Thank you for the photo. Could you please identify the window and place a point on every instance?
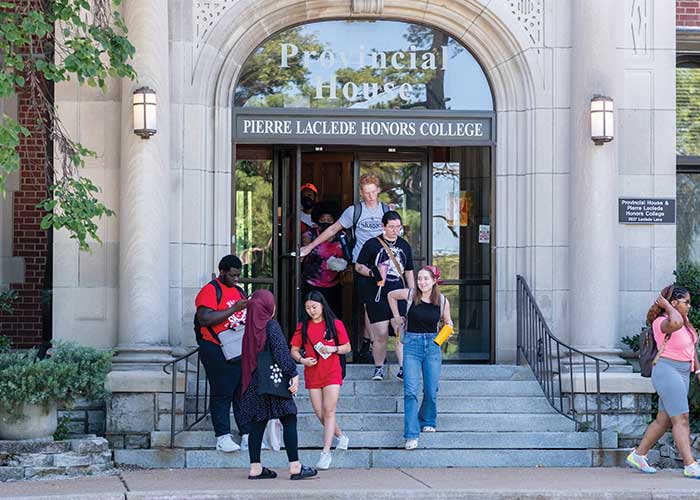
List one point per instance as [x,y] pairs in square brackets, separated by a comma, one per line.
[363,64]
[688,159]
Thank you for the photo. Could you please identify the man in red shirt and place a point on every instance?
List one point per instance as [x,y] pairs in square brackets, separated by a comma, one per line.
[221,305]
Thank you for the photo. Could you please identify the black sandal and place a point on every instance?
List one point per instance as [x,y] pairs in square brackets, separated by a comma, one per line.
[265,474]
[305,472]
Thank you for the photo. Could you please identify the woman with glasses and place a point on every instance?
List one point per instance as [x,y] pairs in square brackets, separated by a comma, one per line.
[676,340]
[385,263]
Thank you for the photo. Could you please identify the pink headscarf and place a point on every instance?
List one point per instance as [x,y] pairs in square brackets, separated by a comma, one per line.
[259,311]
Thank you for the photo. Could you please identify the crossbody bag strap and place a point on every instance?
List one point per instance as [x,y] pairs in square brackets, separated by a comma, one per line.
[390,252]
[661,349]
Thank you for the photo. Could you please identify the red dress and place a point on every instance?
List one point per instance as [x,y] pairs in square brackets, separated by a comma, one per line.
[326,371]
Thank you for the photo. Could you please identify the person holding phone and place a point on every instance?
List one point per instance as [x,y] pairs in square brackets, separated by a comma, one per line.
[318,342]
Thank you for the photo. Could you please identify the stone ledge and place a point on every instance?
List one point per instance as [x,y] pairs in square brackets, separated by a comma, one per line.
[610,383]
[30,459]
[143,381]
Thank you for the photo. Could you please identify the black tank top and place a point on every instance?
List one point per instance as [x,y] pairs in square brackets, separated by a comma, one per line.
[423,318]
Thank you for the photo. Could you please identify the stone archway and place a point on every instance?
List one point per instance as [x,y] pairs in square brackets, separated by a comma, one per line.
[228,32]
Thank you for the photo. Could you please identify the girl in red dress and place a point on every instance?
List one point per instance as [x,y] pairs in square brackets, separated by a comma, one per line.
[318,342]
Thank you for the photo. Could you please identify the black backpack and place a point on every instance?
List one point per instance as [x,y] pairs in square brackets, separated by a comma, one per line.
[356,214]
[219,294]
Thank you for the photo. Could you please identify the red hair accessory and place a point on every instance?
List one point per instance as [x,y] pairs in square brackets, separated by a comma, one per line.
[435,271]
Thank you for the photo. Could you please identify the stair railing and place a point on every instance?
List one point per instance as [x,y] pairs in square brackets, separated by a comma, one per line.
[548,358]
[199,415]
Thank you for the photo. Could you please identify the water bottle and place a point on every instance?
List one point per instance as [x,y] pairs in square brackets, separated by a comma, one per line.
[344,245]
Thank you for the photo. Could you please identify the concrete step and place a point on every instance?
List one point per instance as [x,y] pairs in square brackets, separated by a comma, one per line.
[438,440]
[446,404]
[464,422]
[357,459]
[393,387]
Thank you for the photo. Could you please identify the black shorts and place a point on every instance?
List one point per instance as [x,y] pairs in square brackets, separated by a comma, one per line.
[380,311]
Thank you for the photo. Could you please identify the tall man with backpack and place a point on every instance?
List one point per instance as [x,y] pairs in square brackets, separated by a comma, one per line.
[365,220]
[219,324]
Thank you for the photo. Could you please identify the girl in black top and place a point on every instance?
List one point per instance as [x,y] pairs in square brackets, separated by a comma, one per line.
[422,358]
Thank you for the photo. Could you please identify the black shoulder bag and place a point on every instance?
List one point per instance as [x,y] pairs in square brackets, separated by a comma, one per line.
[271,380]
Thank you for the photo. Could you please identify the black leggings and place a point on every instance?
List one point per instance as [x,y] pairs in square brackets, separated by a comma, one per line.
[291,441]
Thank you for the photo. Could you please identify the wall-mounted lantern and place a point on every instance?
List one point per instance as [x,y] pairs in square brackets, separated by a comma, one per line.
[602,119]
[145,123]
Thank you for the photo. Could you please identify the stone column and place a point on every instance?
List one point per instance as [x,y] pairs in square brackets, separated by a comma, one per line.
[596,68]
[144,197]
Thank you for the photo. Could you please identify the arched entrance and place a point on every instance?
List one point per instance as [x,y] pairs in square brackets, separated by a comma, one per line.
[320,104]
[217,65]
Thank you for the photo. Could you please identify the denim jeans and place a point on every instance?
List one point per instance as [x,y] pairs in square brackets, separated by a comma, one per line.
[224,378]
[421,358]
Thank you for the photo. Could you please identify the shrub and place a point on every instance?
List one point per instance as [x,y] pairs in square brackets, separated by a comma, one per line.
[72,371]
[7,297]
[631,342]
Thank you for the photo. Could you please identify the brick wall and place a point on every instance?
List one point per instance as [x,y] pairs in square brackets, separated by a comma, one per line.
[30,321]
[688,13]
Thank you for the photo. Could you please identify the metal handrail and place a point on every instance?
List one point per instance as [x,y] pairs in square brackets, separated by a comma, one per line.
[544,353]
[205,409]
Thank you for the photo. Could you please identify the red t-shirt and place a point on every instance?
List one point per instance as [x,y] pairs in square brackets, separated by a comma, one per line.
[229,296]
[327,371]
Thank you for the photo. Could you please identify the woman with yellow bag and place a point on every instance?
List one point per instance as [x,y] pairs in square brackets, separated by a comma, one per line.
[422,357]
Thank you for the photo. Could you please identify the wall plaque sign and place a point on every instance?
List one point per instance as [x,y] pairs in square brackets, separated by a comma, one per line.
[395,128]
[647,211]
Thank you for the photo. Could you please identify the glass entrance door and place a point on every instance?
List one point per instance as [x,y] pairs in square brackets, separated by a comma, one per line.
[442,194]
[461,245]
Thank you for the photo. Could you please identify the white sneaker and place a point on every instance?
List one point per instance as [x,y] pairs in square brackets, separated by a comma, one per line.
[244,442]
[411,444]
[639,462]
[692,470]
[324,460]
[342,442]
[226,444]
[428,428]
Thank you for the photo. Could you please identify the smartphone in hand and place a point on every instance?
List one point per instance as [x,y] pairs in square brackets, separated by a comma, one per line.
[318,346]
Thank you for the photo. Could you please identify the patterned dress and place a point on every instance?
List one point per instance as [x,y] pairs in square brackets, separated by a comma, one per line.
[263,407]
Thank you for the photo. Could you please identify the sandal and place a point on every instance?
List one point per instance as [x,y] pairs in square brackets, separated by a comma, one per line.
[265,474]
[305,472]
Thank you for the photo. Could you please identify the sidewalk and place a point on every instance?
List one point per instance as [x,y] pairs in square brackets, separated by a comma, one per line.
[355,484]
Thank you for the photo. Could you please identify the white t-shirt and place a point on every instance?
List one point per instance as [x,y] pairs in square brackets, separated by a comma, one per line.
[306,219]
[368,226]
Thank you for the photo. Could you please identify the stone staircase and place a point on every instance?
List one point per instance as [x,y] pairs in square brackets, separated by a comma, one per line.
[489,416]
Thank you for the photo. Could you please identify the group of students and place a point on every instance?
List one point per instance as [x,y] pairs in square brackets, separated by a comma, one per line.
[389,298]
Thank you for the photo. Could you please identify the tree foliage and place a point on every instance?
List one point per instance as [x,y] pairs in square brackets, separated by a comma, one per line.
[44,42]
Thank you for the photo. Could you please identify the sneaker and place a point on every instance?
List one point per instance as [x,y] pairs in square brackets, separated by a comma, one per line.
[411,444]
[399,374]
[226,444]
[640,463]
[378,373]
[428,428]
[244,442]
[692,470]
[342,442]
[324,461]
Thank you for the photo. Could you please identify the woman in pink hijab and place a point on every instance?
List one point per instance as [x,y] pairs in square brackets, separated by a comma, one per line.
[257,409]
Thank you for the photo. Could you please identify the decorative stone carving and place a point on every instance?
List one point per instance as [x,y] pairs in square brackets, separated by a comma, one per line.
[529,14]
[639,25]
[208,14]
[367,6]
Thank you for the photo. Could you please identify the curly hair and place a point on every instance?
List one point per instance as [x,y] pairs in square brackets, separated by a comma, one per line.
[369,179]
[670,293]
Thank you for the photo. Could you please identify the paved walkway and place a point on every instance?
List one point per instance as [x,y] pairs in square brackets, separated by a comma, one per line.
[355,484]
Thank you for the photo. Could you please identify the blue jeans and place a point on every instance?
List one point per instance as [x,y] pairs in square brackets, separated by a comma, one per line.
[421,358]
